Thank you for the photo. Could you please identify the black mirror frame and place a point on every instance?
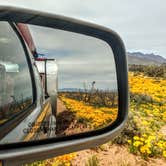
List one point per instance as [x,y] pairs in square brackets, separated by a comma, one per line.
[37,150]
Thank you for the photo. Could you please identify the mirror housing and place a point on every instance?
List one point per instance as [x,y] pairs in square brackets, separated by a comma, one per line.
[19,153]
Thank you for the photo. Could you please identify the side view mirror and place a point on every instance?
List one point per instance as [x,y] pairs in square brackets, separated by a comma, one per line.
[80,95]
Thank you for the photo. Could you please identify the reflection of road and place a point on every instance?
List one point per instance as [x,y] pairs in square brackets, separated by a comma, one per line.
[67,123]
[60,106]
[64,118]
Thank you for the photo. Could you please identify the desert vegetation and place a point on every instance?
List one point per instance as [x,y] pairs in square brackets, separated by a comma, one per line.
[149,70]
[94,117]
[86,110]
[95,98]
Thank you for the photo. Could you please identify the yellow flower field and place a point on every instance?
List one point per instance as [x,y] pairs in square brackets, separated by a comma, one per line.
[148,108]
[155,88]
[150,116]
[94,117]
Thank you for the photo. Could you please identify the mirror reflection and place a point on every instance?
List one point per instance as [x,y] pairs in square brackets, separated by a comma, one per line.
[76,85]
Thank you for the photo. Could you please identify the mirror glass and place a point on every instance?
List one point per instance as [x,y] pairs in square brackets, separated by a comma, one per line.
[76,71]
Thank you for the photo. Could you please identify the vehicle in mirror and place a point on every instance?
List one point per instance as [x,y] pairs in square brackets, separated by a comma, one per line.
[48,70]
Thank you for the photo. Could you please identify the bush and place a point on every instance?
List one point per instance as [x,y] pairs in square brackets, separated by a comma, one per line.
[92,161]
[129,131]
[149,70]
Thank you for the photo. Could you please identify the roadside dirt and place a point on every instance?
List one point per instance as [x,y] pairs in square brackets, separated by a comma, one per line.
[163,130]
[60,106]
[115,155]
[67,123]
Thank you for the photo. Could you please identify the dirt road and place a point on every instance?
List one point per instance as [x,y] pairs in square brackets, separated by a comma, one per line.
[60,106]
[67,122]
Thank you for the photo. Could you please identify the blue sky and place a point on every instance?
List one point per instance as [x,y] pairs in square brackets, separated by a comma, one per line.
[141,24]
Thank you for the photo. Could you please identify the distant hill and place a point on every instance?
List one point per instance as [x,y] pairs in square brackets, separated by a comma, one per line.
[145,59]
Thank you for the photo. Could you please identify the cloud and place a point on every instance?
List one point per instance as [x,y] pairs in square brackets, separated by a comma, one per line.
[140,23]
[79,57]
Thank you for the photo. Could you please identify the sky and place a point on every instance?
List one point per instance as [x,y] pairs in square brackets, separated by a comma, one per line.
[80,59]
[141,24]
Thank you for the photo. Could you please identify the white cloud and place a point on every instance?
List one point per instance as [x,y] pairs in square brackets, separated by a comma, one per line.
[141,24]
[78,57]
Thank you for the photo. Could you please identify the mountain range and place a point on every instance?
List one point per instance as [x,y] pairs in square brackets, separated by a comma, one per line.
[144,58]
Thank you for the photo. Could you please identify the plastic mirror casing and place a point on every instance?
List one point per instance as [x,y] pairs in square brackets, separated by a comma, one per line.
[19,153]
